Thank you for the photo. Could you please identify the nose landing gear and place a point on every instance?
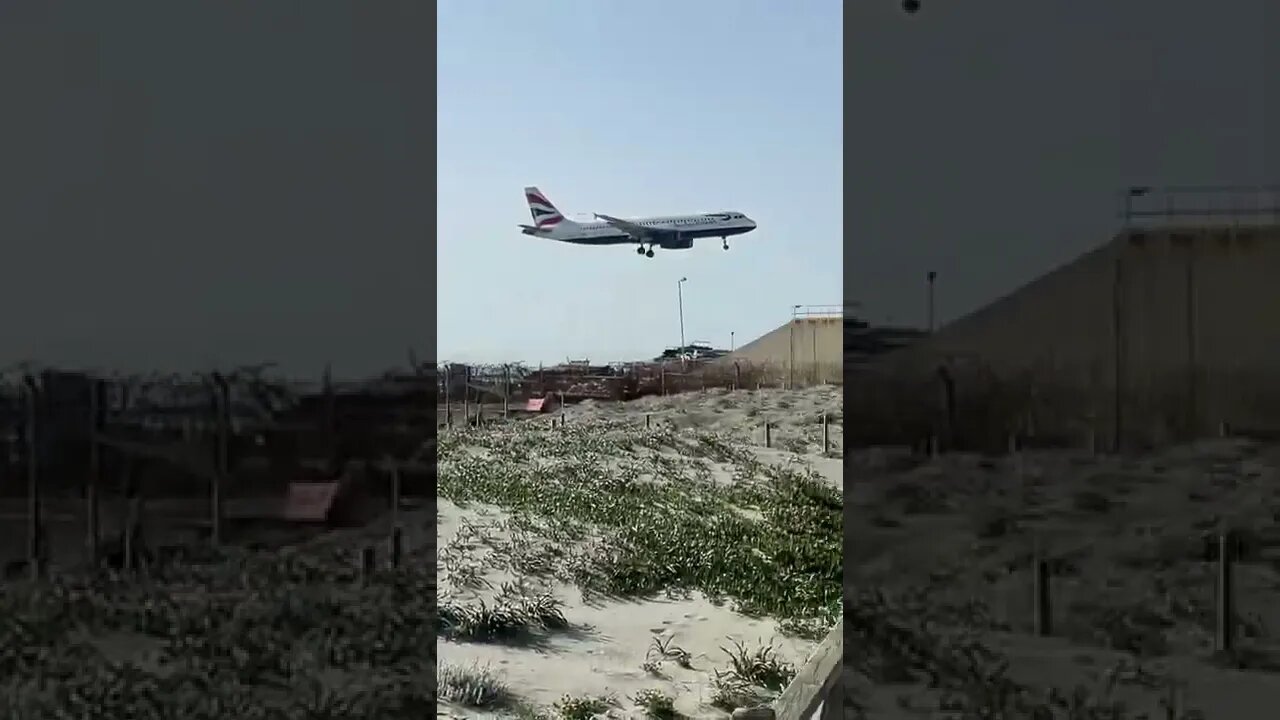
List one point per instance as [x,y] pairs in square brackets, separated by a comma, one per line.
[725,245]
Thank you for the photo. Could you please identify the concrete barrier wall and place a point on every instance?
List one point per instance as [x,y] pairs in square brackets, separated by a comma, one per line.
[812,346]
[1180,328]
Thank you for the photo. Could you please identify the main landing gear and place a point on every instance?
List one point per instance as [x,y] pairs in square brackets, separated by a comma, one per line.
[725,243]
[647,253]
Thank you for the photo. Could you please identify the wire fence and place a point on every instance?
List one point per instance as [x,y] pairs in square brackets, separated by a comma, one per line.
[514,385]
[77,450]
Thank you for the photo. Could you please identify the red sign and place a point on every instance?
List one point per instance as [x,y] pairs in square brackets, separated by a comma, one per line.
[309,501]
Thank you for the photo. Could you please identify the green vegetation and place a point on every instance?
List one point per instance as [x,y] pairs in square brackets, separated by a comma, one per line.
[624,512]
[913,639]
[293,634]
[622,515]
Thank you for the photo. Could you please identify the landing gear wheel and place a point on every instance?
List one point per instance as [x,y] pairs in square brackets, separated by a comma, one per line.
[649,253]
[726,245]
[640,250]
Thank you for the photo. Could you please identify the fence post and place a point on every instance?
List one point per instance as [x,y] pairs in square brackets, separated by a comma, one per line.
[737,376]
[132,525]
[396,531]
[1225,625]
[466,394]
[506,391]
[397,546]
[97,402]
[768,434]
[826,433]
[34,519]
[448,401]
[395,493]
[222,406]
[646,421]
[662,378]
[1043,611]
[367,559]
[330,411]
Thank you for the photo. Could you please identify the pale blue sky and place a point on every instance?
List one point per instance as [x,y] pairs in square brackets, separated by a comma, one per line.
[634,109]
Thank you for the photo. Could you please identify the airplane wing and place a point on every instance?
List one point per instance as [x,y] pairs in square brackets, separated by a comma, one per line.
[638,232]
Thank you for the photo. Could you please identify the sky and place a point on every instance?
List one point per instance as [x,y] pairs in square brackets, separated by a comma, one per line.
[234,183]
[187,186]
[634,109]
[988,139]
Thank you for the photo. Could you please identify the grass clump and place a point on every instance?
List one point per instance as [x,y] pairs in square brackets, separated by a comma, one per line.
[656,704]
[582,708]
[472,686]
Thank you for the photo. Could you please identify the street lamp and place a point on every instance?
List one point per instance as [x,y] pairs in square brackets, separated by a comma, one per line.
[731,345]
[1117,320]
[791,357]
[680,306]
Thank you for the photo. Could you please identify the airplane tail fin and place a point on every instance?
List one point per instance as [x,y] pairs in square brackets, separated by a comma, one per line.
[545,215]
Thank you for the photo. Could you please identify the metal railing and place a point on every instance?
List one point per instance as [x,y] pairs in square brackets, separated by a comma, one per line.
[1149,206]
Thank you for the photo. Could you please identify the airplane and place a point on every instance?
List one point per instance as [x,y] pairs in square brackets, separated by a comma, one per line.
[675,232]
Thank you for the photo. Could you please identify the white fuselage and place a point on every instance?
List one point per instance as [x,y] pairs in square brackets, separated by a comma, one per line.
[672,232]
[690,227]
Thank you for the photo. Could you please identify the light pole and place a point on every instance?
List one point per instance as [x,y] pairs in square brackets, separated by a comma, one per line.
[791,357]
[731,345]
[931,277]
[1117,312]
[680,306]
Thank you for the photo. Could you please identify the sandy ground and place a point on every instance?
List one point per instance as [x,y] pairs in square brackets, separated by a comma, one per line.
[796,417]
[1126,539]
[609,642]
[603,651]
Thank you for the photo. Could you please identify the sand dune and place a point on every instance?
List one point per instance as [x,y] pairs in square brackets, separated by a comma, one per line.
[614,654]
[1133,590]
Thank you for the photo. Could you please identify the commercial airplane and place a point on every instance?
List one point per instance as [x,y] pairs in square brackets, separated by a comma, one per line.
[675,232]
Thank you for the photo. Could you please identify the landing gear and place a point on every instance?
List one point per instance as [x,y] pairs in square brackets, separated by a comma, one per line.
[648,253]
[725,244]
[640,250]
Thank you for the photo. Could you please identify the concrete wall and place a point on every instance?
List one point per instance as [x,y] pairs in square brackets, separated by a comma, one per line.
[1188,321]
[814,344]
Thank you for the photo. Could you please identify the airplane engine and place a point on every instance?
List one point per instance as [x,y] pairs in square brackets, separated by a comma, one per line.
[680,242]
